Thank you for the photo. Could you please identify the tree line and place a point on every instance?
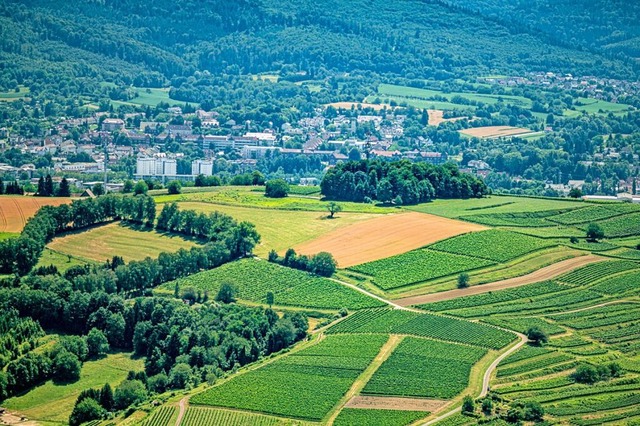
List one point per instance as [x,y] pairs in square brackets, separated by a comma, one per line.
[402,182]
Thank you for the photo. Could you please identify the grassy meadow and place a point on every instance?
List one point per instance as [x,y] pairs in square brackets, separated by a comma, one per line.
[51,404]
[117,239]
[281,229]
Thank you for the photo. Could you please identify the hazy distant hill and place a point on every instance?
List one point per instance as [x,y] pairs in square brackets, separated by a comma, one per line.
[145,42]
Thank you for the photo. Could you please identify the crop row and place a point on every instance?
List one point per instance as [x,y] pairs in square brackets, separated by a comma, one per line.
[529,290]
[493,244]
[594,405]
[596,271]
[533,364]
[588,214]
[308,388]
[620,226]
[525,219]
[424,368]
[547,303]
[424,325]
[600,318]
[624,253]
[619,284]
[581,391]
[609,418]
[161,417]
[523,324]
[358,416]
[198,416]
[417,266]
[618,334]
[523,353]
[595,321]
[600,310]
[545,384]
[253,279]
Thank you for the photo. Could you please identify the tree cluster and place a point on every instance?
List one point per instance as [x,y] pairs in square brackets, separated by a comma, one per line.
[322,264]
[19,255]
[401,181]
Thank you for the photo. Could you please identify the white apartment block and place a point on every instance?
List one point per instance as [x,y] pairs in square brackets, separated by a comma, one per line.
[202,167]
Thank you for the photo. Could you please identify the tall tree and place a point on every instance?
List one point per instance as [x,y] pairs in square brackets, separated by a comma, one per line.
[64,190]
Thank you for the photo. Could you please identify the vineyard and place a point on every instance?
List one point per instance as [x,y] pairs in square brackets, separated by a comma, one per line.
[570,299]
[359,417]
[496,245]
[526,219]
[253,279]
[621,284]
[424,325]
[199,416]
[620,226]
[304,385]
[417,266]
[163,416]
[425,368]
[594,272]
[529,290]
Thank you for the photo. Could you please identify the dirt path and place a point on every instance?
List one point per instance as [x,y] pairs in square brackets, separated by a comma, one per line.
[184,402]
[396,403]
[600,305]
[363,291]
[542,274]
[361,381]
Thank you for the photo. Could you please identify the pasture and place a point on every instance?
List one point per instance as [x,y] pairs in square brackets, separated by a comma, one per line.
[282,229]
[12,95]
[385,236]
[16,210]
[52,403]
[117,239]
[451,100]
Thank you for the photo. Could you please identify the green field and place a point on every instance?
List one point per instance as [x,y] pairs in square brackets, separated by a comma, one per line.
[163,416]
[597,106]
[244,196]
[201,416]
[420,98]
[360,417]
[417,266]
[424,368]
[423,325]
[7,235]
[59,260]
[51,404]
[118,239]
[494,245]
[291,287]
[281,229]
[494,204]
[13,95]
[303,385]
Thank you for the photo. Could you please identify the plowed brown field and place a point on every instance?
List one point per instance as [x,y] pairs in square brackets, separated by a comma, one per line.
[385,236]
[15,211]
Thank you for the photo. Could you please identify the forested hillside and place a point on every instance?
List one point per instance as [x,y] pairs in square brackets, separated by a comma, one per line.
[130,42]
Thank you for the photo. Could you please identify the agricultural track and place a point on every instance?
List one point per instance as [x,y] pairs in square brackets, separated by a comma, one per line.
[182,405]
[543,274]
